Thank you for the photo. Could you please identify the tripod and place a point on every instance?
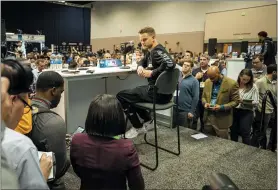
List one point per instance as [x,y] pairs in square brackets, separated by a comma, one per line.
[124,66]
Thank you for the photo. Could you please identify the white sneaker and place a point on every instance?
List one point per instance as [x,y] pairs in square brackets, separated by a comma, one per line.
[133,132]
[149,126]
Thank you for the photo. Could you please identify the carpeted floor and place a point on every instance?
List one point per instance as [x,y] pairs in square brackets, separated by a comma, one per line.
[248,167]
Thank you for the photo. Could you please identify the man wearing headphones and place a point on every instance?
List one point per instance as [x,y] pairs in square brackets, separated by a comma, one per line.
[20,151]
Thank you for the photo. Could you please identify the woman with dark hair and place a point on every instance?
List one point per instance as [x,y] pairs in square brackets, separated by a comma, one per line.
[100,157]
[244,112]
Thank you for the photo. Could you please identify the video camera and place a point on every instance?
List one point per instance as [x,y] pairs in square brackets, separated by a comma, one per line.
[221,182]
[127,47]
[100,52]
[248,57]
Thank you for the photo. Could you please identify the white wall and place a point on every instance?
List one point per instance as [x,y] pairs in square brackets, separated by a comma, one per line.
[166,17]
[118,19]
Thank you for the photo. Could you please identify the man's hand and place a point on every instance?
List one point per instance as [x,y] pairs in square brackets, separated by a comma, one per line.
[216,107]
[140,71]
[190,115]
[138,58]
[207,105]
[46,165]
[147,73]
[32,95]
[199,75]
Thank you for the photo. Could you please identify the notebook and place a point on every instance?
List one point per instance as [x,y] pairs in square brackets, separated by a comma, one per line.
[53,171]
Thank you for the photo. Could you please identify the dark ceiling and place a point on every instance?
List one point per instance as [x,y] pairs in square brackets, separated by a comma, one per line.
[80,2]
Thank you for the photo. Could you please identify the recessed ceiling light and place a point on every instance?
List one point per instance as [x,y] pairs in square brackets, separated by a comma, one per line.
[62,1]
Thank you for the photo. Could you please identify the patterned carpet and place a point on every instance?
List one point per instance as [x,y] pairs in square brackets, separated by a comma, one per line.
[248,167]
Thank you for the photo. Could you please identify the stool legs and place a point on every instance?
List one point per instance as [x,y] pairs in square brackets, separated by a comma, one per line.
[158,147]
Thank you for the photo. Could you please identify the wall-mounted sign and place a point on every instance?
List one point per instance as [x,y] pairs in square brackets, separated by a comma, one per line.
[26,37]
[240,34]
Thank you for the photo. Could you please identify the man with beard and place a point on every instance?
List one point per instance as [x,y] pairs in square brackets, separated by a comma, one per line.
[266,83]
[268,48]
[155,61]
[49,128]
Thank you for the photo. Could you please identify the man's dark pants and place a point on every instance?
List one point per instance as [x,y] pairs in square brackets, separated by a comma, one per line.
[139,94]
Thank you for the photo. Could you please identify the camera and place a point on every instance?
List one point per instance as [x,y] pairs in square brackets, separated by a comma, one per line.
[100,52]
[220,181]
[127,47]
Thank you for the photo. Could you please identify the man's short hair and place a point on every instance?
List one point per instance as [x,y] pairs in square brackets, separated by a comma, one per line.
[263,34]
[48,80]
[105,116]
[222,62]
[205,55]
[215,63]
[20,76]
[188,61]
[271,68]
[148,30]
[38,61]
[190,52]
[259,56]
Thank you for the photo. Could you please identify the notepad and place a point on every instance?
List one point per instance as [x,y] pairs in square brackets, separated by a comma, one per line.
[51,175]
[199,136]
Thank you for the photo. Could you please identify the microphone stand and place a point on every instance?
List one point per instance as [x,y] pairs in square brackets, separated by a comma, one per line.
[124,66]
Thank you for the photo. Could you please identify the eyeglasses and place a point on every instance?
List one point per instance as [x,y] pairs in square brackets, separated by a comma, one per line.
[27,107]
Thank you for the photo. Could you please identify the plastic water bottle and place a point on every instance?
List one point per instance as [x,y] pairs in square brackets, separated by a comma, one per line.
[59,62]
[52,62]
[134,62]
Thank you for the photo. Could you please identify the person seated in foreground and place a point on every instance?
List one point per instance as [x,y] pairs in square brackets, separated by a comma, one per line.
[100,157]
[155,61]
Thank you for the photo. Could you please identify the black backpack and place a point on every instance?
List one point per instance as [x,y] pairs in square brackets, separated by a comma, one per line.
[37,110]
[43,145]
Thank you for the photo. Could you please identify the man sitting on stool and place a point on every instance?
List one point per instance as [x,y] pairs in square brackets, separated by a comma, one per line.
[155,61]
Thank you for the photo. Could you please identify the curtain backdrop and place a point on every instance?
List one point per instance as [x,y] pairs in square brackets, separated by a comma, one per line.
[58,23]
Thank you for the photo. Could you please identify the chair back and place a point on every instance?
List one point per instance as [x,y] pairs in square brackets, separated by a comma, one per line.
[167,81]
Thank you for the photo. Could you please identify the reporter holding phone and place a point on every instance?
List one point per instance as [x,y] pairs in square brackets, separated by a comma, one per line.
[220,96]
[244,113]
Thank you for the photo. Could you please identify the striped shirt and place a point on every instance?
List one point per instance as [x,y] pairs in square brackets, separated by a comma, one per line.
[259,73]
[252,94]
